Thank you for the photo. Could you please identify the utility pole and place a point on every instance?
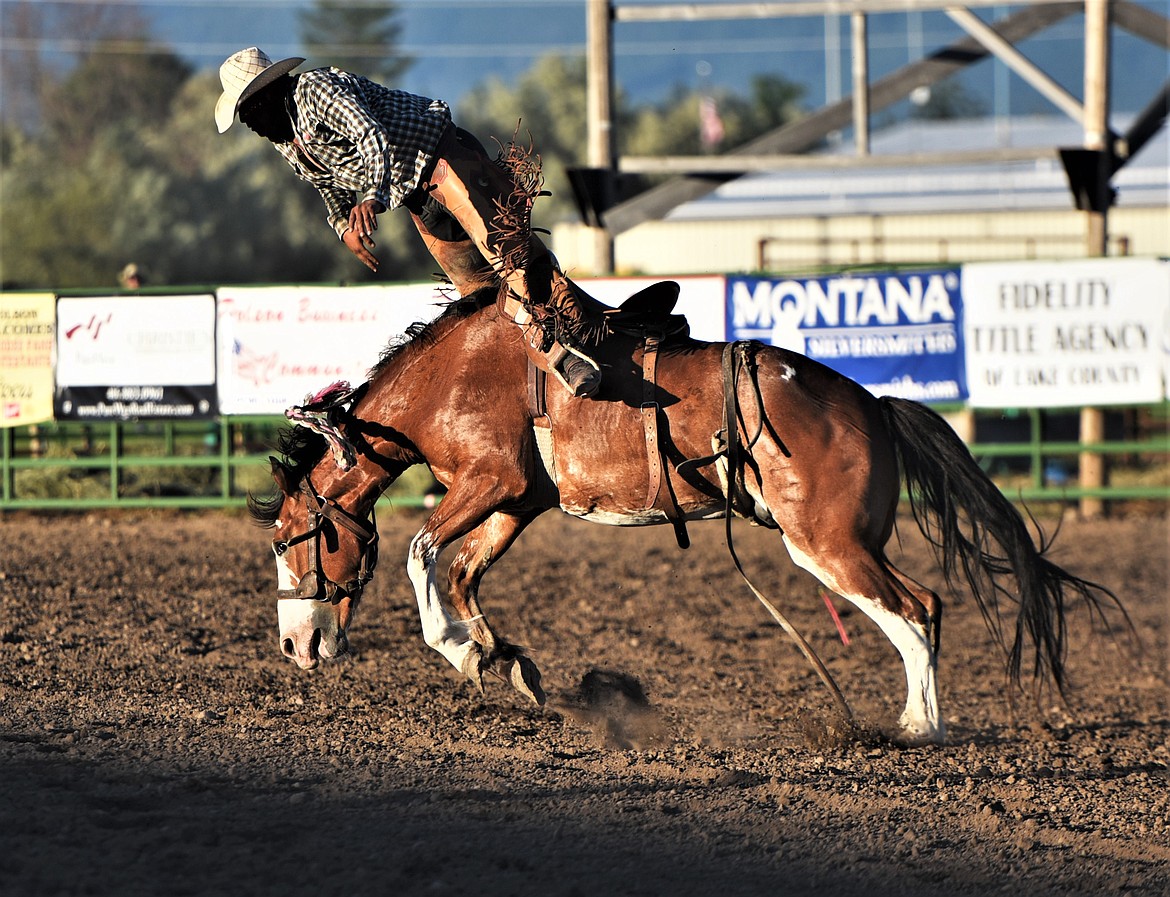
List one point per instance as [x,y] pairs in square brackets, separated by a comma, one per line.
[860,83]
[599,117]
[1097,137]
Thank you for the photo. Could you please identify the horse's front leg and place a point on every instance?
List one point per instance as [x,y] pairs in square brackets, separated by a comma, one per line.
[467,504]
[482,547]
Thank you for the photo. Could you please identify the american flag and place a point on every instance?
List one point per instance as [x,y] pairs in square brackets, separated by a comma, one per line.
[710,124]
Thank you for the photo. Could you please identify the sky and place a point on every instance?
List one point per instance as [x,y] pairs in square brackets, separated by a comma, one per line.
[459,44]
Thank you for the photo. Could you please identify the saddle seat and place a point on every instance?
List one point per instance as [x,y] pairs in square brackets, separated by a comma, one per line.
[649,309]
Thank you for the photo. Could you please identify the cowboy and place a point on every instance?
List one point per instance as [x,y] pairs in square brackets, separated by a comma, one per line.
[368,149]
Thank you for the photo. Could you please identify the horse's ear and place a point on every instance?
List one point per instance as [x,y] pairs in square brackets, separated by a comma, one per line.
[280,474]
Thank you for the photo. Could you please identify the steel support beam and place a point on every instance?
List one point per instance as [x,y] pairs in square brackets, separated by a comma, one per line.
[801,135]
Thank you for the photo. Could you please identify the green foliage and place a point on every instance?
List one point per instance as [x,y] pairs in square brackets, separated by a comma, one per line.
[545,109]
[135,84]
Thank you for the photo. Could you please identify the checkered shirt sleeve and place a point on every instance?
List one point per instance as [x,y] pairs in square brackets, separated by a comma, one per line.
[372,141]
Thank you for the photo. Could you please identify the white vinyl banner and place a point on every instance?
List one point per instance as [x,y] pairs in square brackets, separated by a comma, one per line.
[132,340]
[1064,334]
[276,345]
[700,299]
[135,357]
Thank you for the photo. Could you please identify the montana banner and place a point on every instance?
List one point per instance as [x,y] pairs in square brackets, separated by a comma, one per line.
[26,358]
[1066,333]
[897,334]
[127,357]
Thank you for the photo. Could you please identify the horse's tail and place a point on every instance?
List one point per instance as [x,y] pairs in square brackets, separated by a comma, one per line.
[975,530]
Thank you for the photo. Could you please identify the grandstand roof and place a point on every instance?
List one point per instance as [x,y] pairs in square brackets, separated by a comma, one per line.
[988,186]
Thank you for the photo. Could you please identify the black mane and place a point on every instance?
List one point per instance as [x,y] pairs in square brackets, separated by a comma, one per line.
[423,332]
[300,450]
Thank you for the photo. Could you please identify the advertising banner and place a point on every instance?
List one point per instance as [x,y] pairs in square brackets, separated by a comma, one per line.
[277,345]
[700,299]
[897,334]
[26,358]
[1068,333]
[122,357]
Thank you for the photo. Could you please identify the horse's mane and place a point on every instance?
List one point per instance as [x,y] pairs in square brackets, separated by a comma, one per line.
[300,450]
[424,333]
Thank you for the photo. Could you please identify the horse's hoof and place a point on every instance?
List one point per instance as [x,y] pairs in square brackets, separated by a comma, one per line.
[911,738]
[473,668]
[525,678]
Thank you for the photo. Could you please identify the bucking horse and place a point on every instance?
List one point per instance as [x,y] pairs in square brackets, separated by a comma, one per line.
[683,430]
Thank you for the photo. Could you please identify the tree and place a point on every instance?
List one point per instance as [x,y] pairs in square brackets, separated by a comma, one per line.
[545,108]
[361,38]
[128,167]
[27,77]
[136,83]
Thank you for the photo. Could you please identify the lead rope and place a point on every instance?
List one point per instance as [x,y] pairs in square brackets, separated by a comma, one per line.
[735,359]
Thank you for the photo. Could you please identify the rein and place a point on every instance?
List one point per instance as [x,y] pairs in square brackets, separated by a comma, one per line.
[737,358]
[315,585]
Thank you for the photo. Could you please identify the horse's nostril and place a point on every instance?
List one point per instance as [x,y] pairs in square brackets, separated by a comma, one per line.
[288,648]
[315,644]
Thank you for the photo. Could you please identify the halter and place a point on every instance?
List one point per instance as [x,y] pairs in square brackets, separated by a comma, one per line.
[314,585]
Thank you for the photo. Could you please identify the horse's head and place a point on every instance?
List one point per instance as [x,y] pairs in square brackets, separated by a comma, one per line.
[325,554]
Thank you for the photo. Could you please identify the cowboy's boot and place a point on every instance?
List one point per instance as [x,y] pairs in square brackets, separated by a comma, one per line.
[576,370]
[578,373]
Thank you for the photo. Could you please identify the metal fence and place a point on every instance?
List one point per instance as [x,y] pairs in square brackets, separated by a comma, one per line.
[212,464]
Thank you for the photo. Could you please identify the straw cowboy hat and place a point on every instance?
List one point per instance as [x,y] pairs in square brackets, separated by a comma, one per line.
[242,75]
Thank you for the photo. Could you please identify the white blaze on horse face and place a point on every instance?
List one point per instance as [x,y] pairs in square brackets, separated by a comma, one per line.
[285,578]
[921,721]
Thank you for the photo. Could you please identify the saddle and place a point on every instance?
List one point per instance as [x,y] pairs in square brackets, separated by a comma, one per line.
[648,316]
[649,309]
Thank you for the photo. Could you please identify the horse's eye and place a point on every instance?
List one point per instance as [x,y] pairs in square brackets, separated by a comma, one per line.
[279,548]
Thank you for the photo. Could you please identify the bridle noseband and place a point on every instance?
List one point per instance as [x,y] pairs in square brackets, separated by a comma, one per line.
[315,585]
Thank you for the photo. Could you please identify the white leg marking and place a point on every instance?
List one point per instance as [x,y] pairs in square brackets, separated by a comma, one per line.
[921,721]
[449,637]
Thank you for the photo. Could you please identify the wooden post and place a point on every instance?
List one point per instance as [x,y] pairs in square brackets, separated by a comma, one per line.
[1092,464]
[599,115]
[860,84]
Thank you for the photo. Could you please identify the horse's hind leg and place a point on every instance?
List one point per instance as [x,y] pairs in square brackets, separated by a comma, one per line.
[481,548]
[904,610]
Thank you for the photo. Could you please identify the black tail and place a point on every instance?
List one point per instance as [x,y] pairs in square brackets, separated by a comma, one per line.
[976,530]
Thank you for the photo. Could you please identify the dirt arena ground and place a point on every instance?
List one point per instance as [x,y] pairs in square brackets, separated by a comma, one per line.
[154,742]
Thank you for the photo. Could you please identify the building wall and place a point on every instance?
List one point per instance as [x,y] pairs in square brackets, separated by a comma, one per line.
[791,244]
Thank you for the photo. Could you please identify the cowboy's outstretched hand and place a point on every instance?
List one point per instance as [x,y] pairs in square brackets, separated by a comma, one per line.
[363,221]
[364,217]
[361,246]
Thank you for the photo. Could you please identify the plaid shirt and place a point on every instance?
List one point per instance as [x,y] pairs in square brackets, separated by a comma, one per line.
[359,140]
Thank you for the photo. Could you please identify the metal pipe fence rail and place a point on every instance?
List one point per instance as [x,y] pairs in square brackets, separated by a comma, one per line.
[132,464]
[214,464]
